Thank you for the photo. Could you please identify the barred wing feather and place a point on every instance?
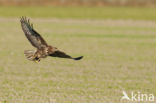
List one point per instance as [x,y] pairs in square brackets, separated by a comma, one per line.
[35,38]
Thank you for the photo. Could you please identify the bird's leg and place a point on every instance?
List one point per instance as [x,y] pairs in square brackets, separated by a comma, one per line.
[36,59]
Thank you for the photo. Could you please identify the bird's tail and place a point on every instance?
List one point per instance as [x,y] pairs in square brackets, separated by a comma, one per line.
[29,54]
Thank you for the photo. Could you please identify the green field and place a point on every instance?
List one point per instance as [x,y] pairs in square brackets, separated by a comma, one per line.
[135,13]
[119,55]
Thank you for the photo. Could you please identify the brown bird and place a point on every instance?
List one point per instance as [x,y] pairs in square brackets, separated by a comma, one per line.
[43,49]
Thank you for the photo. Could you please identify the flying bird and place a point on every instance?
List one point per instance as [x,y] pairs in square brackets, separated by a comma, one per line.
[42,48]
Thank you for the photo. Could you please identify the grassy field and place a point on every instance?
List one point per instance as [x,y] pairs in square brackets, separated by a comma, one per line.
[81,12]
[118,55]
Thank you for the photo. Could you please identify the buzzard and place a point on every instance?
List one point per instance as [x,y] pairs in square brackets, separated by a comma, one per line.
[43,49]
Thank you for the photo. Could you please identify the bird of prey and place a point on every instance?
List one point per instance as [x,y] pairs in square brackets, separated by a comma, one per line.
[43,49]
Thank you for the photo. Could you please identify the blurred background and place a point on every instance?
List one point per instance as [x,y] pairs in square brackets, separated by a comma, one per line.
[116,37]
[80,9]
[79,2]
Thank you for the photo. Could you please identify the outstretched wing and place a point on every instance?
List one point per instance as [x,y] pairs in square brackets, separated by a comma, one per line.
[63,55]
[35,38]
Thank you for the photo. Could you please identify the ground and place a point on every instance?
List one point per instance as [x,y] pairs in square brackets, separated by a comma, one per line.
[119,55]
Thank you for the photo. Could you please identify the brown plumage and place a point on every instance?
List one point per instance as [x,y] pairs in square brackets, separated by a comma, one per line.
[43,49]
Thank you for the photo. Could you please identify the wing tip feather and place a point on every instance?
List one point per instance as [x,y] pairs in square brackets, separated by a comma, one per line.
[24,19]
[78,58]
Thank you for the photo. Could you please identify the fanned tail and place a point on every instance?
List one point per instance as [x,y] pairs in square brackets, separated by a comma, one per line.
[29,54]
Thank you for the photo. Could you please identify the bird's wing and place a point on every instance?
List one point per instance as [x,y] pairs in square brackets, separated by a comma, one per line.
[61,54]
[35,38]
